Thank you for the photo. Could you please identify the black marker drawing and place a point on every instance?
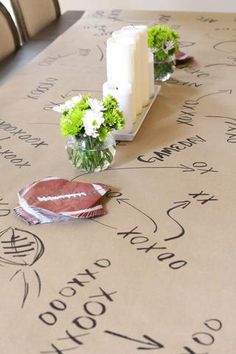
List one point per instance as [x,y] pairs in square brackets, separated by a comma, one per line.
[21,248]
[202,166]
[49,106]
[231,125]
[206,19]
[182,204]
[74,338]
[203,197]
[182,167]
[232,57]
[188,109]
[226,46]
[200,197]
[185,83]
[42,88]
[184,44]
[103,224]
[219,64]
[126,201]
[100,52]
[48,61]
[5,138]
[98,30]
[4,210]
[193,70]
[75,92]
[204,338]
[229,91]
[148,344]
[111,15]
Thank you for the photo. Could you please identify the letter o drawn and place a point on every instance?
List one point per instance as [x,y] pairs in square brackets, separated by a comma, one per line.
[77,321]
[102,263]
[43,317]
[216,327]
[89,311]
[199,338]
[58,305]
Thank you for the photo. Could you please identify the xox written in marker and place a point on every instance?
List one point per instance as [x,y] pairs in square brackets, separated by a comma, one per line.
[87,318]
[42,88]
[21,134]
[12,157]
[11,131]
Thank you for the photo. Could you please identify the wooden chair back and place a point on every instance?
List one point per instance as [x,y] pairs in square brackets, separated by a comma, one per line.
[33,15]
[10,40]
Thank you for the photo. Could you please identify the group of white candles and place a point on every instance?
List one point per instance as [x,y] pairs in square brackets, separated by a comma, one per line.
[130,74]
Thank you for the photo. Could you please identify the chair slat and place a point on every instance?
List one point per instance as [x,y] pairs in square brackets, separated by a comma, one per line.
[10,40]
[34,15]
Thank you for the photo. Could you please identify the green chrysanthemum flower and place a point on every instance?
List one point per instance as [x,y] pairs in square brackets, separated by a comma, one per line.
[163,40]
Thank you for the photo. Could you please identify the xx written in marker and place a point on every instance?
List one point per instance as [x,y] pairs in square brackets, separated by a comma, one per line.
[200,197]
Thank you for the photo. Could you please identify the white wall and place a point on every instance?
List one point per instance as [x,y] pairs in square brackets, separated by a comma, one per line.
[171,5]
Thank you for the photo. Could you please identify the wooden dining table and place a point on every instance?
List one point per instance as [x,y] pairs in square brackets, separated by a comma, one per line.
[156,273]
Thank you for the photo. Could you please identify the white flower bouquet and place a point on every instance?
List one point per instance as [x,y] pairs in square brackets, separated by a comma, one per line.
[88,123]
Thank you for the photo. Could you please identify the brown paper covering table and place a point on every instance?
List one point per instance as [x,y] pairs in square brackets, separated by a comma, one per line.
[158,271]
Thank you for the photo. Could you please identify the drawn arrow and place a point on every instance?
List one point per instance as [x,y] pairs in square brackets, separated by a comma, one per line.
[76,91]
[215,93]
[184,44]
[182,205]
[151,344]
[103,224]
[100,52]
[182,167]
[125,201]
[223,64]
[186,168]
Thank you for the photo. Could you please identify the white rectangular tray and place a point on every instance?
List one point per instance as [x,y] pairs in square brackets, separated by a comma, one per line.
[130,136]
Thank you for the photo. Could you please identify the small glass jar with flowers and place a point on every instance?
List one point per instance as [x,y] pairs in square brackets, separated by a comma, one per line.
[88,123]
[163,42]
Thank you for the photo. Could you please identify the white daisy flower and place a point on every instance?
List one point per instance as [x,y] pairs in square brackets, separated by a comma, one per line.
[92,121]
[95,105]
[68,105]
[76,99]
[59,108]
[167,46]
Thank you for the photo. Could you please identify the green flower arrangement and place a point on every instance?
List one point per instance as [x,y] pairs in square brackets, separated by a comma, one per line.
[163,41]
[88,123]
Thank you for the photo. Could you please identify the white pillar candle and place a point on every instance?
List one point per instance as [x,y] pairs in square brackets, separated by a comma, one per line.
[120,57]
[151,74]
[137,72]
[124,95]
[143,58]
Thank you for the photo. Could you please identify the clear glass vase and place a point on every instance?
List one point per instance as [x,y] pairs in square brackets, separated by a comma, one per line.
[90,154]
[163,69]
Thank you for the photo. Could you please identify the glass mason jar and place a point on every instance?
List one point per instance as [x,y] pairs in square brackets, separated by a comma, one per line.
[163,69]
[90,154]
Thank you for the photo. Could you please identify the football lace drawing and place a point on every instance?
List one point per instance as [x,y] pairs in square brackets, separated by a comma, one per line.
[21,249]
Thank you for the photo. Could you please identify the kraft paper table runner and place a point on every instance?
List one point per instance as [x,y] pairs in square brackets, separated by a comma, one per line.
[158,271]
